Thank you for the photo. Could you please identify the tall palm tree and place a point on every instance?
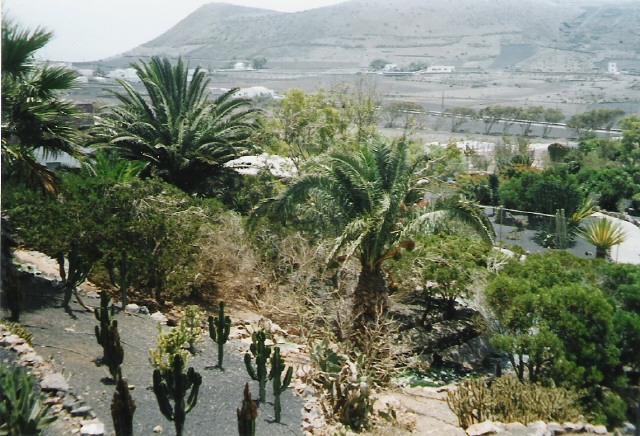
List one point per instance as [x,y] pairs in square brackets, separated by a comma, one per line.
[33,114]
[185,137]
[373,198]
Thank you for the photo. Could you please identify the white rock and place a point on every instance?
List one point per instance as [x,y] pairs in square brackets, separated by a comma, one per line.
[11,340]
[555,428]
[483,428]
[95,427]
[628,429]
[573,427]
[538,428]
[159,317]
[157,429]
[515,427]
[54,382]
[595,429]
[132,309]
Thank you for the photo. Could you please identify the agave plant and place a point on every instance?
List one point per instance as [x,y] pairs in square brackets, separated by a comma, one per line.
[604,234]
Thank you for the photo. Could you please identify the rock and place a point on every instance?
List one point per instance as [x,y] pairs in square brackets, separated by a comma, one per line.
[513,427]
[81,411]
[538,428]
[556,428]
[133,309]
[11,340]
[573,427]
[159,317]
[54,382]
[92,294]
[94,427]
[31,359]
[628,429]
[144,310]
[157,429]
[595,429]
[22,348]
[483,428]
[470,355]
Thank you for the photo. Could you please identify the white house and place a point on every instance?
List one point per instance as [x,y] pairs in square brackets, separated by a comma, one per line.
[441,69]
[128,74]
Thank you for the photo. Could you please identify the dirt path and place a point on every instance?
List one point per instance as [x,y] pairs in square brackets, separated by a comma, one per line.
[68,338]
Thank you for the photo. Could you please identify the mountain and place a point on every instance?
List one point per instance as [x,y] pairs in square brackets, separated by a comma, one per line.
[533,35]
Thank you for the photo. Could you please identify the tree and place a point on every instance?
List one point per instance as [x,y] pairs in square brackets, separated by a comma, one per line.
[528,116]
[551,116]
[460,115]
[371,196]
[378,64]
[33,114]
[391,112]
[594,119]
[258,63]
[185,137]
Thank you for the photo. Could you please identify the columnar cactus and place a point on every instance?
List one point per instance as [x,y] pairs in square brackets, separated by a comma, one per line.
[247,414]
[108,336]
[219,328]
[172,385]
[279,384]
[122,409]
[79,269]
[261,353]
[122,279]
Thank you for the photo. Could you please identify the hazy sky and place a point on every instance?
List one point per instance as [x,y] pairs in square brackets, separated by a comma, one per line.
[86,30]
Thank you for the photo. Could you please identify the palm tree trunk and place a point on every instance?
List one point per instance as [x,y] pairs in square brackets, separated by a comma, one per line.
[370,297]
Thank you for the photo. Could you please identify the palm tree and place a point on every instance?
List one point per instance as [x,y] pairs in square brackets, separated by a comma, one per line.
[185,137]
[372,197]
[33,115]
[604,234]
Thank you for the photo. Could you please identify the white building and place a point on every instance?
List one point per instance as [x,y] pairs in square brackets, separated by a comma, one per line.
[441,69]
[127,74]
[612,68]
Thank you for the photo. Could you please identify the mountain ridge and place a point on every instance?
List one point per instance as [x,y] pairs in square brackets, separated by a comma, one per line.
[463,33]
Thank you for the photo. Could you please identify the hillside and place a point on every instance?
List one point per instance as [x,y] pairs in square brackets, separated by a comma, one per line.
[542,35]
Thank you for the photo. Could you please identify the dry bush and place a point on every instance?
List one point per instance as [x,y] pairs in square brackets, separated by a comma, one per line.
[229,264]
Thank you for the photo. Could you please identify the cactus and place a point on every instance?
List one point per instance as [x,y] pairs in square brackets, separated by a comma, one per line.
[219,328]
[247,414]
[108,336]
[279,384]
[172,385]
[79,269]
[122,409]
[122,283]
[261,352]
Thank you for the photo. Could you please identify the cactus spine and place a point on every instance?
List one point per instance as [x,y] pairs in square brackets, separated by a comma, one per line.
[261,353]
[123,281]
[279,384]
[172,385]
[122,409]
[108,336]
[247,414]
[219,328]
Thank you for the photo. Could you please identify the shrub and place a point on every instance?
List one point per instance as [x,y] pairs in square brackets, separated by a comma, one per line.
[21,409]
[509,400]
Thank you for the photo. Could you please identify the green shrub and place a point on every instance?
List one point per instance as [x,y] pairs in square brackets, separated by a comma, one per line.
[569,321]
[154,223]
[509,400]
[21,409]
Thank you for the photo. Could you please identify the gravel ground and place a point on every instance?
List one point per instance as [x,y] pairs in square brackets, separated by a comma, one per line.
[68,338]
